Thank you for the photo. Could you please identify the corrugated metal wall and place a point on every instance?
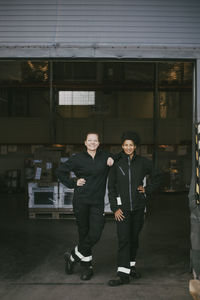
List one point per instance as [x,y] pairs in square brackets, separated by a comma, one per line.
[50,25]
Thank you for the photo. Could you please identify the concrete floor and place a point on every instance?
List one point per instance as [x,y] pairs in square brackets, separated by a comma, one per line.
[32,266]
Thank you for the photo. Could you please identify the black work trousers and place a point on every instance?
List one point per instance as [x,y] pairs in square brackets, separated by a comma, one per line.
[90,220]
[128,239]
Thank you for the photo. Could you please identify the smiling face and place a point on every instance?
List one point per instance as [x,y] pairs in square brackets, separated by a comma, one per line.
[129,147]
[92,142]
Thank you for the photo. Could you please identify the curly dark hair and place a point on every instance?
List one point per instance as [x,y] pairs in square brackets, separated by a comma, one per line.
[130,135]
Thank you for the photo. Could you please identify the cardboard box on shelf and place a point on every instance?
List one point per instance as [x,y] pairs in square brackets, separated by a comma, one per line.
[42,172]
[46,161]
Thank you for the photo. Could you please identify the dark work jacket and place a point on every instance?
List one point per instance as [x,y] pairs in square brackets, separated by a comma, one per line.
[94,171]
[124,178]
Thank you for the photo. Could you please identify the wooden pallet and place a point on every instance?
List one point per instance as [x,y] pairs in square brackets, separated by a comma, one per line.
[50,213]
[194,287]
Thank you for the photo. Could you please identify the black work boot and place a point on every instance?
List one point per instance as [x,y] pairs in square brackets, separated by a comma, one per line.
[134,274]
[87,272]
[118,280]
[69,264]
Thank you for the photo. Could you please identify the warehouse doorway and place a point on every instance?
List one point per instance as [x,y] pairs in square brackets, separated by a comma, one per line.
[50,105]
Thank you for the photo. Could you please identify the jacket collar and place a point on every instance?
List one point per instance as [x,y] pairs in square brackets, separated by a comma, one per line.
[123,155]
[97,152]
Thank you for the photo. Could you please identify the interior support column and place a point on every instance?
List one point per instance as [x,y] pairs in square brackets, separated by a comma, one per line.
[52,123]
[155,116]
[194,207]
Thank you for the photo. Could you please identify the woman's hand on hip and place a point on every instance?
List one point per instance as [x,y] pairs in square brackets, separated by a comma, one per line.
[141,189]
[81,182]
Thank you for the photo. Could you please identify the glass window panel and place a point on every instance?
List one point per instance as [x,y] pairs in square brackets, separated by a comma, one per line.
[76,98]
[74,71]
[175,73]
[24,88]
[35,71]
[139,72]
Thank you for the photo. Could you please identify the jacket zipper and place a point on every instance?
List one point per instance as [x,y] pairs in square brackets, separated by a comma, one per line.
[121,170]
[129,177]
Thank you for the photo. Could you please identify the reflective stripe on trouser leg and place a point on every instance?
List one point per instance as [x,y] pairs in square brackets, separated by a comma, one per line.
[132,263]
[123,270]
[71,258]
[81,256]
